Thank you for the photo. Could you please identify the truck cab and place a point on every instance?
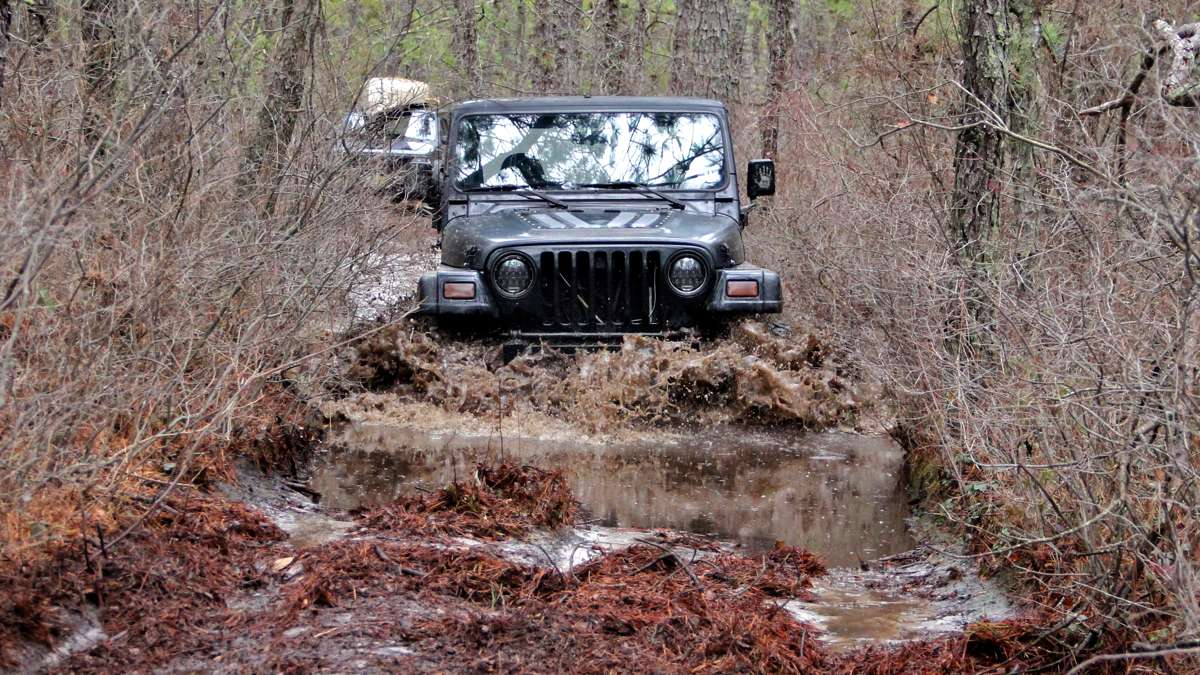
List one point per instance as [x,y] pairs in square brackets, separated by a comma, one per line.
[394,130]
[594,216]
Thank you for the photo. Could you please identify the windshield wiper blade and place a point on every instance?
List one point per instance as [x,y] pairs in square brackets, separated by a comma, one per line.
[521,191]
[640,188]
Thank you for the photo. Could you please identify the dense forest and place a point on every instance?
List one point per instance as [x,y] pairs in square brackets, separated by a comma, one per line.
[993,203]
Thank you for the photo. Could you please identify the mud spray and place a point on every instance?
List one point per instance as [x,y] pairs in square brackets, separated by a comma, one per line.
[760,375]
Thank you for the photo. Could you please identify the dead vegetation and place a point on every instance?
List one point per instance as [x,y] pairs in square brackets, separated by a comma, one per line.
[203,578]
[500,501]
[175,570]
[158,291]
[1045,361]
[177,590]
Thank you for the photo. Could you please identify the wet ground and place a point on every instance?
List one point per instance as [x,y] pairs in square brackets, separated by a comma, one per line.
[836,494]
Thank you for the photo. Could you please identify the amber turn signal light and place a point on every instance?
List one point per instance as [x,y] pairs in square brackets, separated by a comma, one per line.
[741,289]
[458,290]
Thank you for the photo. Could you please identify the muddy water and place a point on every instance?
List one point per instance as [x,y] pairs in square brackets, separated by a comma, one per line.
[835,494]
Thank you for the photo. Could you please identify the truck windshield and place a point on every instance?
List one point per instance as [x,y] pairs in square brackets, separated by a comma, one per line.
[411,131]
[567,151]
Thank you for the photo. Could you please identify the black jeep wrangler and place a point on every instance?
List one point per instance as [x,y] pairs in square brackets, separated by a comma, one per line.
[593,217]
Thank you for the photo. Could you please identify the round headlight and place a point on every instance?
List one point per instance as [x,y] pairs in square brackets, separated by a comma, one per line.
[513,275]
[687,274]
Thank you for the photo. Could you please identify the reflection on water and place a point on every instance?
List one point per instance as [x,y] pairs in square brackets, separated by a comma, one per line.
[835,494]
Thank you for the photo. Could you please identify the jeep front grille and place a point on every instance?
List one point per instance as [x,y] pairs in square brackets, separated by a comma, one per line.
[601,290]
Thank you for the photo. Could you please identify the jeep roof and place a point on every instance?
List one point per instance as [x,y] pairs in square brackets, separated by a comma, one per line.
[589,104]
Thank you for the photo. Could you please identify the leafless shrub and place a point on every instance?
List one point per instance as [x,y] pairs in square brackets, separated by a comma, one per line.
[152,292]
[1069,442]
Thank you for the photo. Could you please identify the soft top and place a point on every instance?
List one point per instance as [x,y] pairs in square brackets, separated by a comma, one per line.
[590,104]
[383,94]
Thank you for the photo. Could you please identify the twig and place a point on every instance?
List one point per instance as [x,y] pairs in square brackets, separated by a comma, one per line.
[1189,647]
[917,25]
[407,571]
[667,555]
[552,563]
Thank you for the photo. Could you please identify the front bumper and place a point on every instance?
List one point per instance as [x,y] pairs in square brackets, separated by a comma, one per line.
[433,300]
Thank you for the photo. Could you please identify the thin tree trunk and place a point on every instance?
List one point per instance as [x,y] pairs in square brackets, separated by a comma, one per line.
[99,67]
[978,157]
[739,13]
[391,63]
[710,37]
[543,57]
[780,43]
[283,93]
[681,53]
[992,35]
[5,24]
[568,14]
[612,52]
[556,34]
[522,50]
[633,75]
[466,47]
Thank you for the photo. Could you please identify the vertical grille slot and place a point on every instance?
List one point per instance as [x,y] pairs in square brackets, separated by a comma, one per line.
[637,288]
[548,284]
[598,288]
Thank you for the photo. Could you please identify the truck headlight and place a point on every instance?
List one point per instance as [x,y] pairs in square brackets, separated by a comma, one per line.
[513,275]
[687,274]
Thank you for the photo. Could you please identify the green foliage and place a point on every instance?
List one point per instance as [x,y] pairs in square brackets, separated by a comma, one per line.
[940,25]
[843,9]
[1053,33]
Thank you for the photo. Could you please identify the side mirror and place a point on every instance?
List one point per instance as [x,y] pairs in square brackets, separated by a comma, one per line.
[760,178]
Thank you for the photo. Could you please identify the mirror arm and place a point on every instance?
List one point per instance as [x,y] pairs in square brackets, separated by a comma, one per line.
[744,215]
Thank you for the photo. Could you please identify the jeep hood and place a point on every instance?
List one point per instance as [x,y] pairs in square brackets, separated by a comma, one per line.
[469,241]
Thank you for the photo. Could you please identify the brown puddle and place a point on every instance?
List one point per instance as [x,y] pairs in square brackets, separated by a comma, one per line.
[922,597]
[833,493]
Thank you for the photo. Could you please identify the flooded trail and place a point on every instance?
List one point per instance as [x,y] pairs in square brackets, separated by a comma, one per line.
[836,494]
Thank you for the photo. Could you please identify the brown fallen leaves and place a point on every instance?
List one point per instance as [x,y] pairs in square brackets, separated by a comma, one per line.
[205,580]
[499,501]
[648,605]
[175,569]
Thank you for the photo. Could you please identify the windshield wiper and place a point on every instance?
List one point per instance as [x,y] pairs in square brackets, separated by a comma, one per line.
[640,188]
[521,191]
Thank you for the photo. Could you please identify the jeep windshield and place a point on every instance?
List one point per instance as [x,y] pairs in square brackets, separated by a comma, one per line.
[572,151]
